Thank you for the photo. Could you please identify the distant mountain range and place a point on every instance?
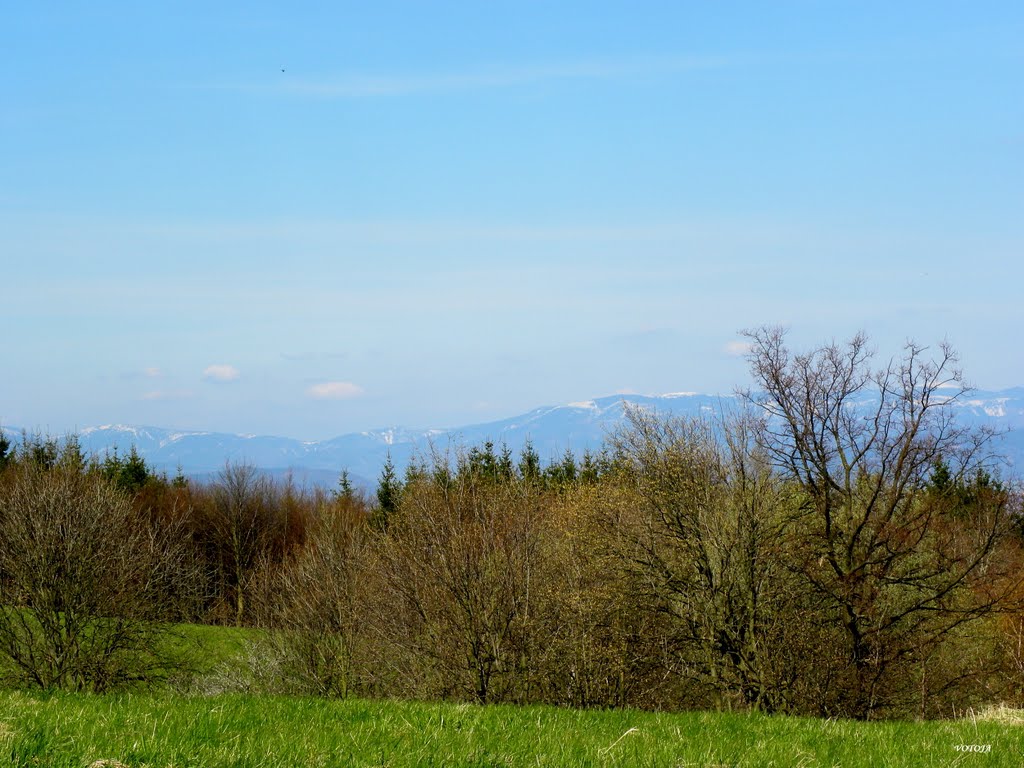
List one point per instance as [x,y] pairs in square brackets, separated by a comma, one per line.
[552,430]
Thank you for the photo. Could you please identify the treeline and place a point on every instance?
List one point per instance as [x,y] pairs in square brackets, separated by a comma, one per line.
[839,547]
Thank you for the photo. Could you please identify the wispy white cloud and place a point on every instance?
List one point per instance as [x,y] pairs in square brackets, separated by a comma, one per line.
[737,348]
[358,85]
[221,372]
[295,357]
[178,394]
[152,372]
[299,357]
[334,390]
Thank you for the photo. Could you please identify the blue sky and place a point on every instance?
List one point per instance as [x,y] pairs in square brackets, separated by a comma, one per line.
[444,213]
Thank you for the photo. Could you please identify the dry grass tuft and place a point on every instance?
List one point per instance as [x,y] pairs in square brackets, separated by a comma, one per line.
[1002,714]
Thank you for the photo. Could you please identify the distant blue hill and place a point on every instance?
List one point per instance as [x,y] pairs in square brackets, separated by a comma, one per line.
[552,430]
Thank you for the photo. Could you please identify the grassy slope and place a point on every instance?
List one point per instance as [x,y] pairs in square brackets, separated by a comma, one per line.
[235,730]
[203,648]
[165,729]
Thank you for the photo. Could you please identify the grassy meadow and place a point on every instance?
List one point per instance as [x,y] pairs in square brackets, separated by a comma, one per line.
[77,730]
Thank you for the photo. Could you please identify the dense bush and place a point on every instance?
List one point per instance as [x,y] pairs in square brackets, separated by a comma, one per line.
[83,582]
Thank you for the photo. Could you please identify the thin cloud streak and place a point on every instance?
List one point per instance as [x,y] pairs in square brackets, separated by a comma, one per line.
[221,372]
[737,348]
[367,85]
[182,394]
[334,390]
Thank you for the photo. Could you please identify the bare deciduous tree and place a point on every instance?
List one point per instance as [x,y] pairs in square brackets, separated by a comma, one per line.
[897,573]
[459,560]
[317,604]
[80,582]
[243,522]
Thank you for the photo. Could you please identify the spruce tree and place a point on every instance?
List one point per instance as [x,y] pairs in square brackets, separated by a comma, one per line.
[345,490]
[506,469]
[133,473]
[5,448]
[389,491]
[529,462]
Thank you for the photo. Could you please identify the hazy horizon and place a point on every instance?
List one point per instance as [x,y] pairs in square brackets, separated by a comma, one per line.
[320,220]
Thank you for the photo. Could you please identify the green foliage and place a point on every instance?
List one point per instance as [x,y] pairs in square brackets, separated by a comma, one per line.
[964,496]
[941,481]
[505,468]
[179,481]
[389,493]
[483,464]
[41,452]
[590,468]
[345,488]
[415,471]
[563,472]
[5,450]
[130,474]
[529,463]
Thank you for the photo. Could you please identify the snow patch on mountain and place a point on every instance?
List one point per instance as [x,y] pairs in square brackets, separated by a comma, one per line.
[576,426]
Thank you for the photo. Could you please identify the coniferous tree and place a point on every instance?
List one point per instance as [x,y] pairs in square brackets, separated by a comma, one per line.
[562,473]
[529,463]
[345,489]
[482,463]
[506,468]
[5,448]
[415,471]
[941,481]
[128,474]
[38,451]
[590,470]
[389,491]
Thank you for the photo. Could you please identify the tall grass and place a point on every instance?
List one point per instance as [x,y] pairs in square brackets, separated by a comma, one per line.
[76,730]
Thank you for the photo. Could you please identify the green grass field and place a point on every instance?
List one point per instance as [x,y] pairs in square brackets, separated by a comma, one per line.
[241,730]
[203,727]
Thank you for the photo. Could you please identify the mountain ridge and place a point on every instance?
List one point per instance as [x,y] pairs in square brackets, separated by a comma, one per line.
[552,430]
